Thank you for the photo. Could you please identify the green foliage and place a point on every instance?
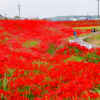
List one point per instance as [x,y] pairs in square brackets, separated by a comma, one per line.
[26,88]
[71,38]
[77,50]
[92,57]
[28,44]
[30,96]
[36,71]
[5,81]
[84,28]
[75,58]
[51,49]
[0,84]
[10,72]
[97,90]
[50,67]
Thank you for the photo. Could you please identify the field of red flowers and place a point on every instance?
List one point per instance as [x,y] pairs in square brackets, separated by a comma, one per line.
[36,63]
[82,23]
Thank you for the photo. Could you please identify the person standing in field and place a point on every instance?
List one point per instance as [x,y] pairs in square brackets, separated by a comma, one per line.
[75,34]
[93,30]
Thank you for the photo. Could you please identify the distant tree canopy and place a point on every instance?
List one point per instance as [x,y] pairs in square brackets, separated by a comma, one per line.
[16,17]
[3,17]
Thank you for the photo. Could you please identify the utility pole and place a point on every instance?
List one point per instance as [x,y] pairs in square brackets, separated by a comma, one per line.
[98,7]
[19,10]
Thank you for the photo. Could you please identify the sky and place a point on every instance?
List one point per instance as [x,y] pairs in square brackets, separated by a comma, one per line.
[48,8]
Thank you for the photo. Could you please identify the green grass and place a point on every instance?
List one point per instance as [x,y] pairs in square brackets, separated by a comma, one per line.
[97,36]
[28,44]
[51,49]
[81,35]
[94,39]
[84,28]
[75,58]
[71,38]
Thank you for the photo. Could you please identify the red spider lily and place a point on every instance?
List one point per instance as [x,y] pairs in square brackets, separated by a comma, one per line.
[33,72]
[80,23]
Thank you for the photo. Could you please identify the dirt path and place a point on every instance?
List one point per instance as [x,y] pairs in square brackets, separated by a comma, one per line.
[86,44]
[93,33]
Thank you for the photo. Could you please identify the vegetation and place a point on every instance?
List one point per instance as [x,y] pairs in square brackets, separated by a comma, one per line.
[38,63]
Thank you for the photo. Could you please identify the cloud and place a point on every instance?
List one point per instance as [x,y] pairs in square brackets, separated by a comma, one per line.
[49,7]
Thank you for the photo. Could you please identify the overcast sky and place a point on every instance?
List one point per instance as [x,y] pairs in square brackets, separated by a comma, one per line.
[48,8]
